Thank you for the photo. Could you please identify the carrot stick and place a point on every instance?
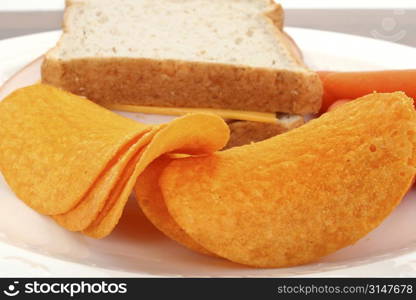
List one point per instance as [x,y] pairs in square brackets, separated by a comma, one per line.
[351,85]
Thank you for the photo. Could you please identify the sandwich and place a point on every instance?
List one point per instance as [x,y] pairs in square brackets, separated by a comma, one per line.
[223,55]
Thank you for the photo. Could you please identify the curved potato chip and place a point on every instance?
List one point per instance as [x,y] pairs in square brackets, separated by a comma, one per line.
[89,208]
[151,202]
[55,145]
[77,162]
[301,195]
[192,134]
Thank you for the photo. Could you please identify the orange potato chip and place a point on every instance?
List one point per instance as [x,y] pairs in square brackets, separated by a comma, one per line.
[89,208]
[152,203]
[54,145]
[192,134]
[301,195]
[67,157]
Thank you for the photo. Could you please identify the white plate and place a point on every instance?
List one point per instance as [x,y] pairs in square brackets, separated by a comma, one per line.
[33,245]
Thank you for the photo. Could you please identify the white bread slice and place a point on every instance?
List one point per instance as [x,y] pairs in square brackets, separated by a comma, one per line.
[226,33]
[182,53]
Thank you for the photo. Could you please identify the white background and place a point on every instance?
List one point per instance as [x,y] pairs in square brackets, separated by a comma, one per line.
[392,20]
[296,4]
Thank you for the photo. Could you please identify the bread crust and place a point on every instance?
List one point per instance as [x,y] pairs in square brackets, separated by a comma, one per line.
[246,132]
[276,14]
[174,83]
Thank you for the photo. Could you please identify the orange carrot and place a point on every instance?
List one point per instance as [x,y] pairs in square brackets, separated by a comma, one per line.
[351,85]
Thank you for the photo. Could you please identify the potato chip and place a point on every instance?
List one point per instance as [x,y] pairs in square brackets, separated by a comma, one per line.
[55,145]
[152,203]
[192,134]
[301,195]
[89,208]
[67,157]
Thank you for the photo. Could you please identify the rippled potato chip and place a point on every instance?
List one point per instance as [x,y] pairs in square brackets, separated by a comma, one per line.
[153,205]
[192,134]
[77,162]
[301,195]
[55,145]
[104,191]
